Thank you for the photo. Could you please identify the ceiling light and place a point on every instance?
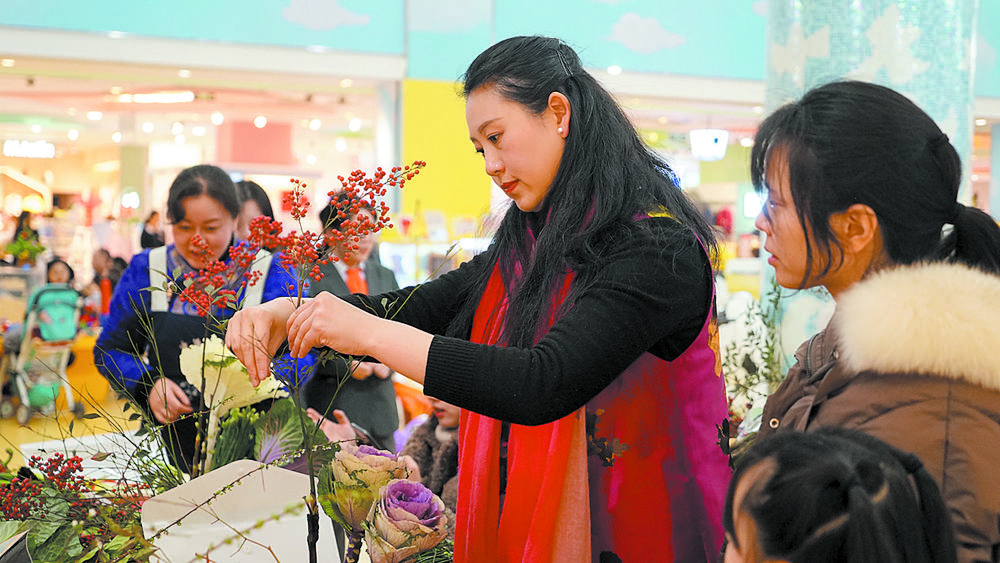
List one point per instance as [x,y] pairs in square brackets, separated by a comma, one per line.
[7,63]
[354,124]
[340,144]
[95,115]
[198,131]
[980,122]
[179,139]
[73,134]
[125,98]
[217,118]
[758,110]
[346,83]
[117,35]
[184,73]
[115,90]
[116,136]
[148,127]
[746,142]
[315,48]
[311,158]
[259,122]
[36,129]
[614,70]
[315,124]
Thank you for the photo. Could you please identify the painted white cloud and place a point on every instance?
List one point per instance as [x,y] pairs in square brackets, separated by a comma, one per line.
[322,14]
[892,48]
[791,57]
[447,16]
[643,35]
[760,7]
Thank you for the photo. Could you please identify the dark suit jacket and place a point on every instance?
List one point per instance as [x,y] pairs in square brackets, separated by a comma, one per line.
[370,403]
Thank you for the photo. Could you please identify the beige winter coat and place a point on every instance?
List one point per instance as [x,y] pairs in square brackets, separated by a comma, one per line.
[912,356]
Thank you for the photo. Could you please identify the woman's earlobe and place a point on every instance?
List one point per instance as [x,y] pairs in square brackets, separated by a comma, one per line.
[560,107]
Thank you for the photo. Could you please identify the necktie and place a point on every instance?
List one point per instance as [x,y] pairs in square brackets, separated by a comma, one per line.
[355,281]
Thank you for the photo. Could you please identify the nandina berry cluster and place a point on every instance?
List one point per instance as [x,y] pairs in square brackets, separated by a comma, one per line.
[62,494]
[363,193]
[300,251]
[206,289]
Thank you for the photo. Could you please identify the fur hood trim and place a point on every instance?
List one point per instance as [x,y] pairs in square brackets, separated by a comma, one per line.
[940,319]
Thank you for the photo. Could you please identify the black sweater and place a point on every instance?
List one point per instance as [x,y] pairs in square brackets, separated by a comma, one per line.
[654,296]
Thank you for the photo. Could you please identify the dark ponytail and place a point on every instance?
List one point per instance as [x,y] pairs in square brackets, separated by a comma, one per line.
[974,240]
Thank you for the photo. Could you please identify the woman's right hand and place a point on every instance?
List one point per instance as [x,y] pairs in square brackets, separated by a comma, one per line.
[168,401]
[254,335]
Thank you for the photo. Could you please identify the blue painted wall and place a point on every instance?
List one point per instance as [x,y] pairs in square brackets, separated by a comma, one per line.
[710,38]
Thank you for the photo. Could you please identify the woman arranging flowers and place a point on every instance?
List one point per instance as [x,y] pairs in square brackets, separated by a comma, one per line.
[202,207]
[581,343]
[861,189]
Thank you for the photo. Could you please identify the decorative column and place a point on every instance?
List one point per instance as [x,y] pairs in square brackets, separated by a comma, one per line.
[923,49]
[994,194]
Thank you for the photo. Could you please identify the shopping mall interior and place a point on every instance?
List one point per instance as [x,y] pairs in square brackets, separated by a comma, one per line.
[100,110]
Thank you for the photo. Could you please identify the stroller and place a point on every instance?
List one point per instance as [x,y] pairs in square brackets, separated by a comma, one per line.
[37,368]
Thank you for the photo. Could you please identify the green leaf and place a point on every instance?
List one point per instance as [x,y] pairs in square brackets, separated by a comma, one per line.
[62,542]
[10,528]
[278,431]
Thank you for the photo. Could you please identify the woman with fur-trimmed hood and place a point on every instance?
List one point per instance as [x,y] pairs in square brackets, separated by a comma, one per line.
[862,189]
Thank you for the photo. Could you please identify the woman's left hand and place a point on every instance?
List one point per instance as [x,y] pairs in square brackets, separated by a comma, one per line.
[328,321]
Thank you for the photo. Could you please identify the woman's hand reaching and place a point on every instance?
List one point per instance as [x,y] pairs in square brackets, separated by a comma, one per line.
[254,335]
[325,321]
[330,322]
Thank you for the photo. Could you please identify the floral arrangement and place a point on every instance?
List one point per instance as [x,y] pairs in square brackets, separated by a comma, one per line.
[752,368]
[400,520]
[25,249]
[67,517]
[365,491]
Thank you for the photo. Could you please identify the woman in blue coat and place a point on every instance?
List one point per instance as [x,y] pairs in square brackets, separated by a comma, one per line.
[139,347]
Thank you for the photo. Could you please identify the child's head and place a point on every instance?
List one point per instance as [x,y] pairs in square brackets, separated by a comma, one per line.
[447,414]
[859,146]
[834,495]
[58,271]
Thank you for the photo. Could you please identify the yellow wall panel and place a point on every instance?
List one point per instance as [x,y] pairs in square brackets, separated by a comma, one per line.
[434,130]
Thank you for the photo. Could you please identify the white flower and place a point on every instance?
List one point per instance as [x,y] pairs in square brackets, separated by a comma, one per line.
[227,385]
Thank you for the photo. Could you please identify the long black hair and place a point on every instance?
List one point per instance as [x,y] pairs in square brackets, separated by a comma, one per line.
[839,495]
[853,142]
[607,177]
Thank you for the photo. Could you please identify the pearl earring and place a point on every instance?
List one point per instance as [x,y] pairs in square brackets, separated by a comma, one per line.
[559,130]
